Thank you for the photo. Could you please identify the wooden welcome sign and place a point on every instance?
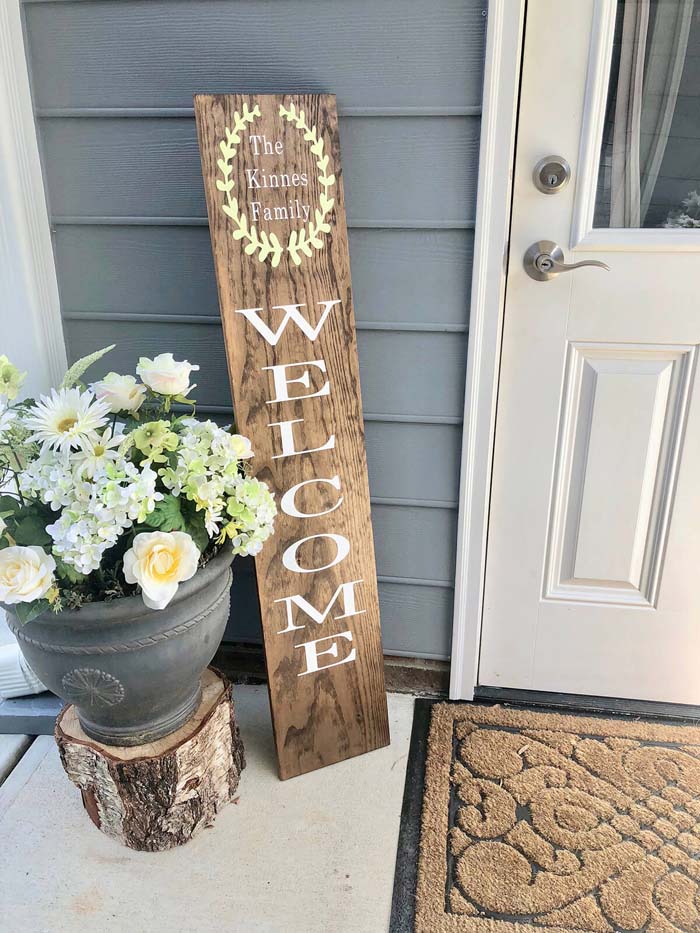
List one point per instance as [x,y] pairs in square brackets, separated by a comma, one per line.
[274,190]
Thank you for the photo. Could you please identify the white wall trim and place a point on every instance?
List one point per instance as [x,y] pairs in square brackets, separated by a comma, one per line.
[30,317]
[499,117]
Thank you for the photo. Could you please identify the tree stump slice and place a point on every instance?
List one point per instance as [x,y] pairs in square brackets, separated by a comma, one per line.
[157,796]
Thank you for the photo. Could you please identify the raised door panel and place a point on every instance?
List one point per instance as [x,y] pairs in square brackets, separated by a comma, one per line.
[623,415]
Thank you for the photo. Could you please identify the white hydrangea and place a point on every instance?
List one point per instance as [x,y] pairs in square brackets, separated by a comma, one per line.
[50,477]
[99,490]
[96,511]
[251,512]
[207,469]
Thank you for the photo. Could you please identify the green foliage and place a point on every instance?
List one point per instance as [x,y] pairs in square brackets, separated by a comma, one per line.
[8,506]
[27,525]
[25,612]
[66,572]
[166,516]
[194,524]
[81,366]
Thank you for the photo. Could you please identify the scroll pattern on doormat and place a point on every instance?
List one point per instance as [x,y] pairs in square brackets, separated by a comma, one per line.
[559,823]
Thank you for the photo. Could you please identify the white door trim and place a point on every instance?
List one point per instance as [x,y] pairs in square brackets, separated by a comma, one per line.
[499,116]
[30,310]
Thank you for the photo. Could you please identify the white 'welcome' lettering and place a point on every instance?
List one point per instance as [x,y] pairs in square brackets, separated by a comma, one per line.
[291,312]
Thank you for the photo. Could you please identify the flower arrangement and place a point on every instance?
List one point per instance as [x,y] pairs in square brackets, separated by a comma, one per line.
[687,216]
[108,492]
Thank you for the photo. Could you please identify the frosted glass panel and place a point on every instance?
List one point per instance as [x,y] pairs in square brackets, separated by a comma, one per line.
[649,173]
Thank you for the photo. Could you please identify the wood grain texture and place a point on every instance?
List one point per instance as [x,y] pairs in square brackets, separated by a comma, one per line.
[156,796]
[337,711]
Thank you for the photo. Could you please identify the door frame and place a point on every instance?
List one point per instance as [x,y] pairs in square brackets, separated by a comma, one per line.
[505,39]
[502,66]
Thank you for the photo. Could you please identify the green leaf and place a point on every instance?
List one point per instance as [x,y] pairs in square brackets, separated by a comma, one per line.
[29,530]
[8,506]
[81,366]
[194,525]
[25,612]
[166,516]
[66,572]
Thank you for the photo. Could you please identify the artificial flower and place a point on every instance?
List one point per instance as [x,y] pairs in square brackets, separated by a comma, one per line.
[10,378]
[206,470]
[159,561]
[26,574]
[235,445]
[100,482]
[66,417]
[99,512]
[96,452]
[251,510]
[121,393]
[50,478]
[165,375]
[153,438]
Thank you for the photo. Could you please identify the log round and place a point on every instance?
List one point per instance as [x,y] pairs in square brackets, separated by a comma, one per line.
[157,796]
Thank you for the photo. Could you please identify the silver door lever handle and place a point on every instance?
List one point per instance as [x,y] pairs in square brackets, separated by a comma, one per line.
[544,260]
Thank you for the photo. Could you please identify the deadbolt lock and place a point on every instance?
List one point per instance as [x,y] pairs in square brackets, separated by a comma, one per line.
[551,174]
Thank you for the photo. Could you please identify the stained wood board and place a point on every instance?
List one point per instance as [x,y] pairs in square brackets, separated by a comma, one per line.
[274,191]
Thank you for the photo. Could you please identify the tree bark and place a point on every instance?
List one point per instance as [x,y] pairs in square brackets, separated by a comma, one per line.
[157,796]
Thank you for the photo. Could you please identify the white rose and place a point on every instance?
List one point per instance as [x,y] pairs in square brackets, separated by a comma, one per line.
[159,561]
[121,393]
[26,574]
[165,375]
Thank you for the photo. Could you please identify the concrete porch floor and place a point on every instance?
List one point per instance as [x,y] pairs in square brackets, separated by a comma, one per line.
[311,855]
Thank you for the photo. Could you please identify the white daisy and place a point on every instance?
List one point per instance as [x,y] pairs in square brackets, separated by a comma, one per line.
[96,451]
[65,418]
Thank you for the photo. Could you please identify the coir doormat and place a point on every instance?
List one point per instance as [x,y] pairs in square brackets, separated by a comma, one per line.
[557,822]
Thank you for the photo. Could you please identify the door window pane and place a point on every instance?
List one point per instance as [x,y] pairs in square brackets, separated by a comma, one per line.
[649,173]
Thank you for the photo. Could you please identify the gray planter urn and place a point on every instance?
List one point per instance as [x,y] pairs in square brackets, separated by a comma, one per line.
[132,672]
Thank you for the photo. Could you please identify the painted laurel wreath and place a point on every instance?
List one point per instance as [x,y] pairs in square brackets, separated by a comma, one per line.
[303,240]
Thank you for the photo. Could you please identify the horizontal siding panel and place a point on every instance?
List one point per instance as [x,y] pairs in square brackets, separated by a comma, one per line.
[121,168]
[413,461]
[415,543]
[401,373]
[157,53]
[418,374]
[415,619]
[406,276]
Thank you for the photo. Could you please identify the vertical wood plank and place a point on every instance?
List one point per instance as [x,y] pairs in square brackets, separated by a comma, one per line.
[325,668]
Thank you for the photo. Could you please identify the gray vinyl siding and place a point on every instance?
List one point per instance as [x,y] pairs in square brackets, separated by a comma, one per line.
[113,82]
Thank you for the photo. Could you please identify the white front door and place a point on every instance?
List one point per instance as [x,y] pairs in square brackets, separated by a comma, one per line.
[593,559]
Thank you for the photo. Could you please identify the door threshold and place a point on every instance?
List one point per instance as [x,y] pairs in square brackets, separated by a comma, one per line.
[579,703]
